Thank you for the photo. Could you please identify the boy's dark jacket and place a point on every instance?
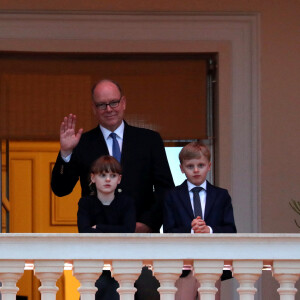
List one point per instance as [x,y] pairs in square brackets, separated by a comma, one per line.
[178,212]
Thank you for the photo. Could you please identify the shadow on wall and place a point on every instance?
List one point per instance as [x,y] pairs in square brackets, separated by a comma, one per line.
[295,205]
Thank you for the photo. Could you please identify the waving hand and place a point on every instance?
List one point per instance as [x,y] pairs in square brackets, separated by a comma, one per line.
[69,139]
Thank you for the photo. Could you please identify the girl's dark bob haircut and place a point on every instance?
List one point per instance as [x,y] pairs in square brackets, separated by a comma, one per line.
[106,164]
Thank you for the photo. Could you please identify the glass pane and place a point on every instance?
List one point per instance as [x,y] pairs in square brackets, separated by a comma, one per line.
[172,155]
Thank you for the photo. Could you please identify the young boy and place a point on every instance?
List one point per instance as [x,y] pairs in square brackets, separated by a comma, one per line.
[196,206]
[106,210]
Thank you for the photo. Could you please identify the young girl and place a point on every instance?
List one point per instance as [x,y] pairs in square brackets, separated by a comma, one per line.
[106,210]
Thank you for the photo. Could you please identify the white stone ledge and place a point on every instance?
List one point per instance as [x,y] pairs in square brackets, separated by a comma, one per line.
[39,246]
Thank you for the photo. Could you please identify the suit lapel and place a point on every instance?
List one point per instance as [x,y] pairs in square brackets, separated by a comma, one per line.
[210,199]
[184,197]
[99,144]
[128,143]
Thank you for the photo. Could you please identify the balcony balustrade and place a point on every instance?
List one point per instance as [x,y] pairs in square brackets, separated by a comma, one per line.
[245,254]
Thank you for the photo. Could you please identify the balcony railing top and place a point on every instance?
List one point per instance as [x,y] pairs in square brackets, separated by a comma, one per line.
[69,246]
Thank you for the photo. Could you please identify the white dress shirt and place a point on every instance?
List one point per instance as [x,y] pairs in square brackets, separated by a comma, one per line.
[108,139]
[202,195]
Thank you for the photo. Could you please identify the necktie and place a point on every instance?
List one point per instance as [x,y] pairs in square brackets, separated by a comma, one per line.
[115,147]
[197,202]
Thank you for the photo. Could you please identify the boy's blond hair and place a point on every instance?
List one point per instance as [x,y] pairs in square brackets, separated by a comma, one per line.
[194,150]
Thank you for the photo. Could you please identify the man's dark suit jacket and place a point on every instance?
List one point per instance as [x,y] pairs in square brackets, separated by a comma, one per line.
[144,165]
[178,212]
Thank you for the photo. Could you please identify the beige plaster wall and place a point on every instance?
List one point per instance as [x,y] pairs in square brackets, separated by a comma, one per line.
[280,91]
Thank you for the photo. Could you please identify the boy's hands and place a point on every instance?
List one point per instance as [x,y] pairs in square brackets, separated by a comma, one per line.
[199,226]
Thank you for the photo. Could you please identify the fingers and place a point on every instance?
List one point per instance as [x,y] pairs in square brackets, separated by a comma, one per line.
[196,221]
[200,228]
[62,127]
[79,133]
[199,225]
[68,122]
[71,121]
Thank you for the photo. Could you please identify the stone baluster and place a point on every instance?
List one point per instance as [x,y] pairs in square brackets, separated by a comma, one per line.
[247,273]
[10,273]
[286,273]
[167,272]
[87,272]
[126,273]
[208,272]
[48,272]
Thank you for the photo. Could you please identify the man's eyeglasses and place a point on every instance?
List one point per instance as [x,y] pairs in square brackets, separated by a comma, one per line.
[111,104]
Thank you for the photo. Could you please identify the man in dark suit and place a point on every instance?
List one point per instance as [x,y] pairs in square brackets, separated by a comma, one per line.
[146,173]
[196,206]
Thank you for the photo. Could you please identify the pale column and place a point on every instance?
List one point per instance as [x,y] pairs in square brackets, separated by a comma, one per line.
[126,273]
[87,272]
[208,272]
[167,272]
[10,273]
[48,272]
[247,273]
[286,273]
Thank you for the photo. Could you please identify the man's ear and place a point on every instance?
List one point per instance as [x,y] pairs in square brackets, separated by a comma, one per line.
[124,102]
[93,178]
[94,109]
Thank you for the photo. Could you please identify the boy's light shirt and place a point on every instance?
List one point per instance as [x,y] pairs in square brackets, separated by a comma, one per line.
[108,140]
[202,195]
